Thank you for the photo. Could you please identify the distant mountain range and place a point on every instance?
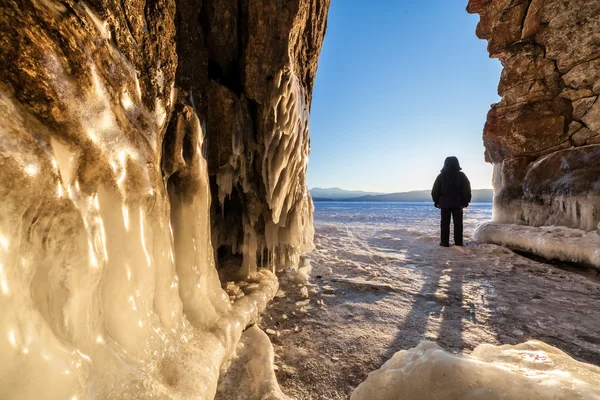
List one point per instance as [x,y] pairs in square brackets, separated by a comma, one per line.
[337,194]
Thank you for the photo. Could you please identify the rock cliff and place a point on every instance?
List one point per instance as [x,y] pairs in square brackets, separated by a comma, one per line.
[145,147]
[543,137]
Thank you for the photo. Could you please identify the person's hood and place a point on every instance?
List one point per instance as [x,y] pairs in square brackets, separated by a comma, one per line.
[451,164]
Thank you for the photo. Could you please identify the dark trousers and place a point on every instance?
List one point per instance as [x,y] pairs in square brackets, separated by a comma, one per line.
[457,217]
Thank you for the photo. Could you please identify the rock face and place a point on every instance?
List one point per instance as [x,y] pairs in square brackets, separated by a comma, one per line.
[544,136]
[144,145]
[259,62]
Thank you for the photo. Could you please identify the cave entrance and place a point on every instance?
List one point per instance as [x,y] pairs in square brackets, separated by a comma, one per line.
[419,92]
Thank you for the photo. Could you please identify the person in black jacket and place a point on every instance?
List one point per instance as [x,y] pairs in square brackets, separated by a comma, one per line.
[451,193]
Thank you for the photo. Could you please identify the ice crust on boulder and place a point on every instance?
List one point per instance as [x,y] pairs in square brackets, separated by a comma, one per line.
[531,370]
[551,242]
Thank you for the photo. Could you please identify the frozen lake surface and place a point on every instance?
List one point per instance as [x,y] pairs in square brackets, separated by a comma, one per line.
[378,283]
[420,218]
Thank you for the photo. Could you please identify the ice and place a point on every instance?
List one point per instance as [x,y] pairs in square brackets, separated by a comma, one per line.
[560,188]
[420,219]
[108,285]
[531,370]
[286,150]
[108,281]
[398,288]
[551,242]
[301,275]
[290,231]
[273,226]
[225,183]
[252,375]
[579,212]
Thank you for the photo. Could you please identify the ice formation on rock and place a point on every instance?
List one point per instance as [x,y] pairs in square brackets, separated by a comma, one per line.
[252,376]
[543,137]
[550,242]
[531,370]
[109,286]
[257,130]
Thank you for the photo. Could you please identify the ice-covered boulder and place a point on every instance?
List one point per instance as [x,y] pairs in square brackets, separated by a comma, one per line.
[532,371]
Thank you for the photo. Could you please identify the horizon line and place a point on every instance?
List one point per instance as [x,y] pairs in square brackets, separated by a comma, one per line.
[376,191]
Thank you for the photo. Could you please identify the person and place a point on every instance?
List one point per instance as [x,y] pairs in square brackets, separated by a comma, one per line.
[451,193]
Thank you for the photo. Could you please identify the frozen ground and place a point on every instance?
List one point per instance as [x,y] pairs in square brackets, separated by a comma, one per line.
[380,283]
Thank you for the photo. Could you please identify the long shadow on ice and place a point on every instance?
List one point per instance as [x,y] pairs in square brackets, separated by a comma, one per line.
[412,330]
[451,327]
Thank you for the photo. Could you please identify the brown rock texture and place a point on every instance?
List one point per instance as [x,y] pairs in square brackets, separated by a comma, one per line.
[261,60]
[549,113]
[257,130]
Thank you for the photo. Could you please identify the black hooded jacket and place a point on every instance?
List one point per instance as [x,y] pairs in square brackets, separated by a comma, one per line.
[452,188]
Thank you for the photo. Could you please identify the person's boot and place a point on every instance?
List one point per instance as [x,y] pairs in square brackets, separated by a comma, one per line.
[444,244]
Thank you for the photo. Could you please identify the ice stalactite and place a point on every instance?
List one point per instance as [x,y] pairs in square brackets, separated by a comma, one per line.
[556,189]
[289,231]
[286,145]
[258,154]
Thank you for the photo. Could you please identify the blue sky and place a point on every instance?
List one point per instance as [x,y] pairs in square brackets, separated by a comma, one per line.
[400,86]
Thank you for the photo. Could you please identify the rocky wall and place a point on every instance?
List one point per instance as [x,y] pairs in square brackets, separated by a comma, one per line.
[145,147]
[249,66]
[543,137]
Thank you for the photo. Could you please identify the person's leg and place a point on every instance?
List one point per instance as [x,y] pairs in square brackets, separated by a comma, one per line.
[457,218]
[445,227]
